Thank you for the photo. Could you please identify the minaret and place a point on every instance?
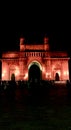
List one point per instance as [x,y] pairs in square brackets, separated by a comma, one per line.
[21,63]
[46,43]
[22,46]
[48,63]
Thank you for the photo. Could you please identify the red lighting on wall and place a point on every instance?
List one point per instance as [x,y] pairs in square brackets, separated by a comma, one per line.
[49,63]
[17,71]
[43,69]
[48,75]
[65,73]
[25,76]
[4,73]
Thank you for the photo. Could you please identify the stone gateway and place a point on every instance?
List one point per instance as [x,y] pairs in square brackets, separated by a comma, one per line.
[35,62]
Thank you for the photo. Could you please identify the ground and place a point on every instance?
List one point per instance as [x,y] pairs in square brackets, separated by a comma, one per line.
[37,112]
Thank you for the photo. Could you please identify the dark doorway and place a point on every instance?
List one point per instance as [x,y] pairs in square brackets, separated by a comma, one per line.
[34,73]
[13,77]
[57,77]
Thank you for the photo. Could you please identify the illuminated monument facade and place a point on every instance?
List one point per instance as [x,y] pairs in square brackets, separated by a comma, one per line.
[33,62]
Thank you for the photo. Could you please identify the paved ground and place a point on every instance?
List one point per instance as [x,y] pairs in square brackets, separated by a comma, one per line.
[49,111]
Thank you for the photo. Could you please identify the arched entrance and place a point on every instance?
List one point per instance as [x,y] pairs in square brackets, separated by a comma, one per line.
[34,72]
[13,77]
[57,77]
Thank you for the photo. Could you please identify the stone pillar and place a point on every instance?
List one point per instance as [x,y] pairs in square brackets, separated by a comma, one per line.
[48,69]
[22,45]
[46,43]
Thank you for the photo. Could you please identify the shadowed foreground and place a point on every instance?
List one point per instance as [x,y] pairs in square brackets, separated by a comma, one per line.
[37,107]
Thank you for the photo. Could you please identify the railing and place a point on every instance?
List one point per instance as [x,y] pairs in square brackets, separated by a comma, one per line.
[34,54]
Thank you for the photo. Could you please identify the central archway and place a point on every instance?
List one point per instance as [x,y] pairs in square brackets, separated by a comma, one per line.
[34,72]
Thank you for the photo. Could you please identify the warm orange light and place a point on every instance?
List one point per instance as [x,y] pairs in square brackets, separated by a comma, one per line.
[48,75]
[53,67]
[43,69]
[25,76]
[4,73]
[17,71]
[50,64]
[66,73]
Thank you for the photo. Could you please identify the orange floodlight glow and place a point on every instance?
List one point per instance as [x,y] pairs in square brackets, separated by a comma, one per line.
[4,73]
[17,71]
[43,69]
[25,76]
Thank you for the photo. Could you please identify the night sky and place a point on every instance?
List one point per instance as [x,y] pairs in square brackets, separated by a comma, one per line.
[59,39]
[34,21]
[33,31]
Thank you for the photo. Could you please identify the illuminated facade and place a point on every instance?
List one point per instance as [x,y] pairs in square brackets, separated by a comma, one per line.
[29,58]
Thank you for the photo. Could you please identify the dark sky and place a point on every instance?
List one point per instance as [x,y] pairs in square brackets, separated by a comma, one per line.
[34,21]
